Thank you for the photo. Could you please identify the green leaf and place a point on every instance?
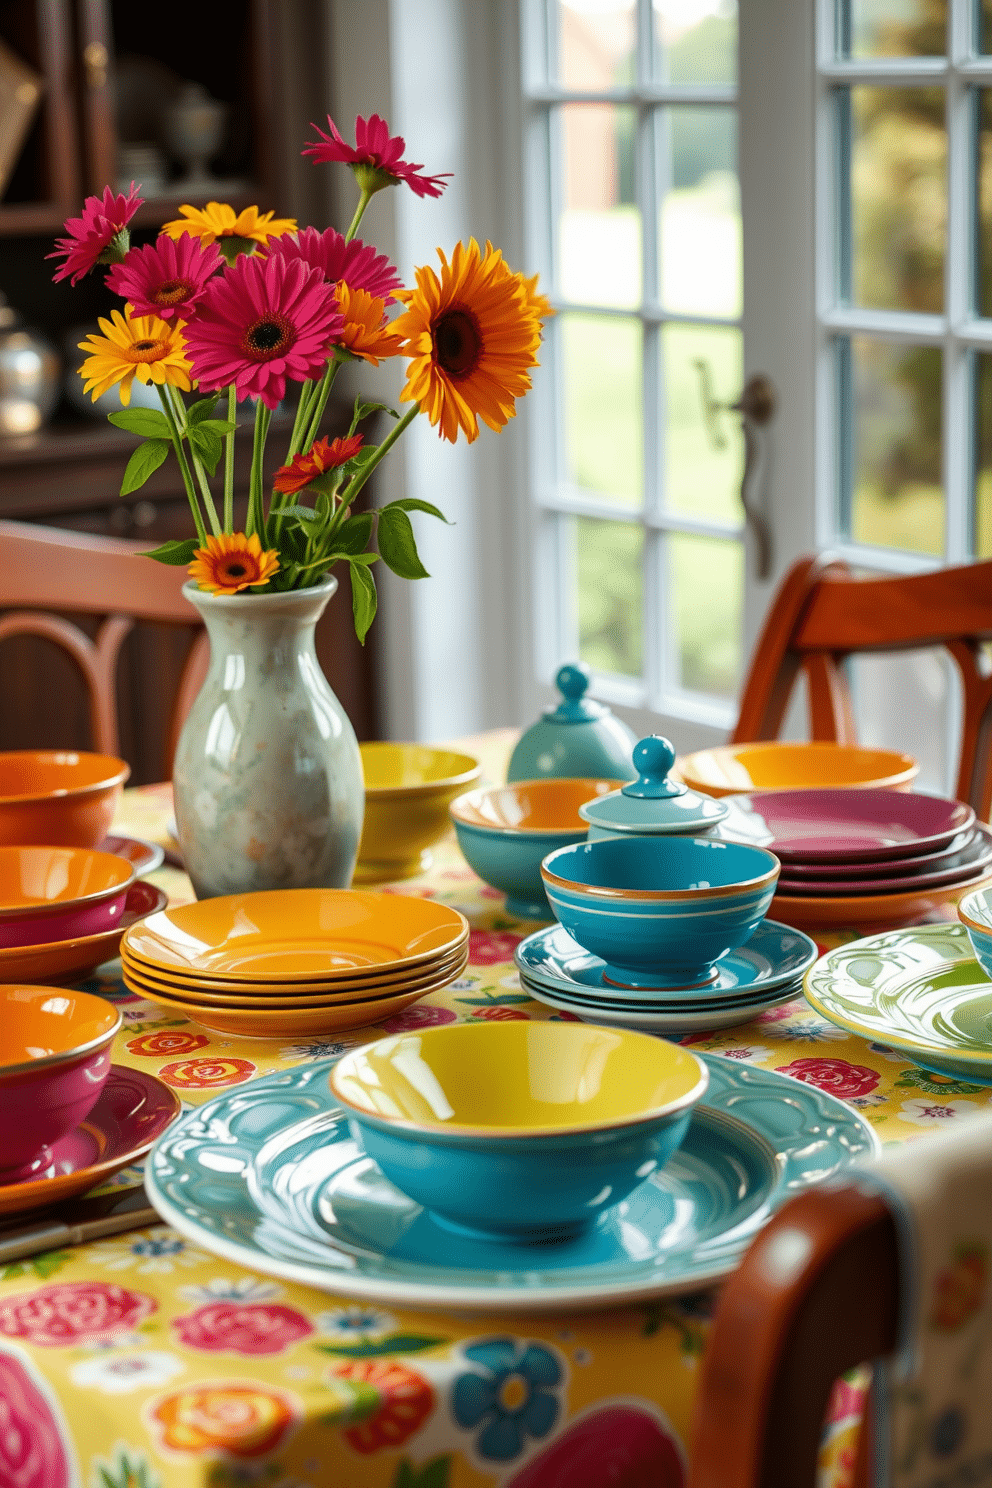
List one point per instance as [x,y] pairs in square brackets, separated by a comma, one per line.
[398,545]
[145,460]
[174,551]
[306,512]
[50,1261]
[147,422]
[217,426]
[208,446]
[363,599]
[364,410]
[204,409]
[353,536]
[411,503]
[395,1343]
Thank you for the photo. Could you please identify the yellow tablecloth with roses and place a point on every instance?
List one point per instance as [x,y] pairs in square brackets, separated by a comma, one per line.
[142,1362]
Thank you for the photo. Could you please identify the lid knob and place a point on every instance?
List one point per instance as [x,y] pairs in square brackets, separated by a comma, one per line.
[572,680]
[653,759]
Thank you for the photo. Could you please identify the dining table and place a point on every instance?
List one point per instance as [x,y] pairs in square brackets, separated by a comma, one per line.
[141,1360]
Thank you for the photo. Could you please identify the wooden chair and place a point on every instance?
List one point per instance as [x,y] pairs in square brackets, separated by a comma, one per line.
[823,613]
[816,1295]
[44,570]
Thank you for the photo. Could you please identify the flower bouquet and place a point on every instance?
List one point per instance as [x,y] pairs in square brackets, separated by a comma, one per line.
[233,306]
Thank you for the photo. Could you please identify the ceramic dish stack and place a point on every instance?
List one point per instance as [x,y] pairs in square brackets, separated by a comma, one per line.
[297,962]
[869,857]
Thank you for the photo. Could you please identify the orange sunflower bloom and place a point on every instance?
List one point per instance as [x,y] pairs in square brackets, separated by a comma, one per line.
[324,454]
[367,333]
[233,232]
[472,337]
[233,562]
[142,347]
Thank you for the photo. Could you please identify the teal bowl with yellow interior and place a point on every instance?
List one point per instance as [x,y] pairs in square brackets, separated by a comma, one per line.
[660,911]
[520,1131]
[506,832]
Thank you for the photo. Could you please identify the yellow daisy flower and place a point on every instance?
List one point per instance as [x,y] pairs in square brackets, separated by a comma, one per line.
[232,562]
[367,333]
[471,335]
[234,233]
[145,348]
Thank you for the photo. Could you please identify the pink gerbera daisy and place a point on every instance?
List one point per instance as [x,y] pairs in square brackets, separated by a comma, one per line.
[92,236]
[357,263]
[375,158]
[166,278]
[263,321]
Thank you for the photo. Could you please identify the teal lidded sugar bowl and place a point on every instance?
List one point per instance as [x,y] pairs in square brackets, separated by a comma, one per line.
[579,738]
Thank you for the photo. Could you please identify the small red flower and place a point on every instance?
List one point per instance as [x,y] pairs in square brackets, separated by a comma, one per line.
[206,1074]
[324,454]
[167,277]
[502,1014]
[405,1402]
[491,947]
[376,155]
[171,1042]
[91,235]
[412,1018]
[834,1075]
[357,263]
[242,1328]
[32,1452]
[72,1311]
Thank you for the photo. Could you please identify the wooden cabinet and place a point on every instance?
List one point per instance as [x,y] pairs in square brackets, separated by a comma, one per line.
[109,69]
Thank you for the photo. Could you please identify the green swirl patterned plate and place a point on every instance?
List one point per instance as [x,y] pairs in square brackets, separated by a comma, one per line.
[268,1176]
[919,990]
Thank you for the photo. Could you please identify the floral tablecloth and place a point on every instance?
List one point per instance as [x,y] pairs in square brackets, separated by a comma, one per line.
[142,1362]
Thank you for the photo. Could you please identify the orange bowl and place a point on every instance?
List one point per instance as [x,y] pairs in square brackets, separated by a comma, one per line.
[58,797]
[780,765]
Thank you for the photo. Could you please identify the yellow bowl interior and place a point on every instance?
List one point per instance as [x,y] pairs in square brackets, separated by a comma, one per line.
[36,1022]
[531,805]
[34,876]
[519,1077]
[780,765]
[389,766]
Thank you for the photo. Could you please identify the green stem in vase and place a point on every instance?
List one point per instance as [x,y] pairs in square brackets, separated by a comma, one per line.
[358,481]
[256,508]
[177,443]
[232,414]
[320,402]
[200,472]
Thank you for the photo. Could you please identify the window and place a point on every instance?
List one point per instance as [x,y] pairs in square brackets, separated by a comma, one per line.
[634,223]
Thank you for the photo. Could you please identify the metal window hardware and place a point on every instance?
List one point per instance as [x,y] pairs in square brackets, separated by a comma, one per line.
[756,406]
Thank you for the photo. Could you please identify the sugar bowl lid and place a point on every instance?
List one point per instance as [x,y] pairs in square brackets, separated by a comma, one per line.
[655,802]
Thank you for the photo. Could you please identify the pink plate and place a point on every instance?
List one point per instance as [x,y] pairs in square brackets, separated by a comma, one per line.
[68,960]
[856,826]
[144,857]
[960,850]
[978,857]
[133,1109]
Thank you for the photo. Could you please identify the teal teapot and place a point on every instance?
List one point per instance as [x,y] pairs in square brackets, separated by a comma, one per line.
[579,738]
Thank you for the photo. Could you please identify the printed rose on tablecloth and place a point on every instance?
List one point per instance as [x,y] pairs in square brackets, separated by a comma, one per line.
[392,1401]
[491,947]
[71,1312]
[615,1443]
[419,1016]
[959,1290]
[510,1394]
[837,1076]
[120,1374]
[206,1074]
[240,1417]
[34,1452]
[169,1041]
[501,1014]
[242,1328]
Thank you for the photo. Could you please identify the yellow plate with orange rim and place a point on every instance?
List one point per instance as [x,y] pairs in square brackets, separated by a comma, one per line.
[297,935]
[781,765]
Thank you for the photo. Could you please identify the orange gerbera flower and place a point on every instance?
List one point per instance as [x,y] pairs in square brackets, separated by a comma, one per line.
[325,454]
[233,562]
[141,347]
[233,232]
[367,333]
[472,336]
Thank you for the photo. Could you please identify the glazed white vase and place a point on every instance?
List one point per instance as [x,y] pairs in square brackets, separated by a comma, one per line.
[267,776]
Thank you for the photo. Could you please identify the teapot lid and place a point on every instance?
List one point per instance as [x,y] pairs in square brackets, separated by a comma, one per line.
[655,802]
[572,681]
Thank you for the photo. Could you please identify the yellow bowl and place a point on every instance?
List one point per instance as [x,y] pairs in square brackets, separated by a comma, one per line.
[779,765]
[407,791]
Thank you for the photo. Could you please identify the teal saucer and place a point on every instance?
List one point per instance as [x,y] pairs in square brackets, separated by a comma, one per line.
[774,955]
[268,1176]
[668,1020]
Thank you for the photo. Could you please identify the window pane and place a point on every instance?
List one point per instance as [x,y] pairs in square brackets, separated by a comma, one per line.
[699,237]
[601,364]
[696,40]
[898,198]
[703,458]
[706,575]
[984,40]
[596,43]
[599,229]
[983,254]
[610,574]
[894,28]
[983,456]
[891,404]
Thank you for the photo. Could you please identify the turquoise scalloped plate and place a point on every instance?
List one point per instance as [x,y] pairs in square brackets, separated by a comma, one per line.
[268,1176]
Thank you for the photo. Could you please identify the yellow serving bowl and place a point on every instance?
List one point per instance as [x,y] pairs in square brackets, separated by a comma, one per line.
[407,791]
[781,765]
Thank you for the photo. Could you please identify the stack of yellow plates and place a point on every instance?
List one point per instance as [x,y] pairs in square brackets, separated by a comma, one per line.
[295,961]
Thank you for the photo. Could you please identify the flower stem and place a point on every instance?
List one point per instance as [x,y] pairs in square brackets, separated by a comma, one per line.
[256,510]
[319,402]
[232,414]
[201,474]
[363,202]
[177,442]
[358,481]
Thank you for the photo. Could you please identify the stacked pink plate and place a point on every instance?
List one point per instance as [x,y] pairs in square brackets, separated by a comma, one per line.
[855,857]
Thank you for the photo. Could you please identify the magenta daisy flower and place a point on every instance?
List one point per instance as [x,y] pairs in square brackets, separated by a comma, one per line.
[91,236]
[357,263]
[166,278]
[375,158]
[262,321]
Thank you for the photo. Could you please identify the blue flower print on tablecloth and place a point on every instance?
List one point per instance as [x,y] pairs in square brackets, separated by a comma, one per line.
[319,1049]
[509,1393]
[355,1324]
[157,1251]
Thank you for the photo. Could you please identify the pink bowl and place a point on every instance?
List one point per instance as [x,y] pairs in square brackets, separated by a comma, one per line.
[55,1057]
[60,893]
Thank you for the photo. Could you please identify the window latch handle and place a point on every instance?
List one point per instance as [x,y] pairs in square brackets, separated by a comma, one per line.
[756,406]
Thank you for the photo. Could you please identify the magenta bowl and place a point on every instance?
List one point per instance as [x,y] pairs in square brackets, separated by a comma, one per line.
[60,893]
[55,1056]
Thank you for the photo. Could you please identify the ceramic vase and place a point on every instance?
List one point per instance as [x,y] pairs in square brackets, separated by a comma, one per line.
[267,777]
